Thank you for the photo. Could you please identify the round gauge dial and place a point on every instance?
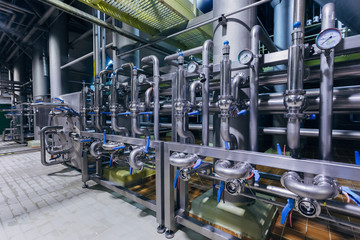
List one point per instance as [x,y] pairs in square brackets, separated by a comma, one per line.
[141,78]
[245,57]
[328,38]
[192,67]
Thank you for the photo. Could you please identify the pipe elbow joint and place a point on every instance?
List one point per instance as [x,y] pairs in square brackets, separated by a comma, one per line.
[321,188]
[136,157]
[182,160]
[229,170]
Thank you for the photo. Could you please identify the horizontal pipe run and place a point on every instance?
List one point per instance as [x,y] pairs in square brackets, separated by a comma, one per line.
[309,132]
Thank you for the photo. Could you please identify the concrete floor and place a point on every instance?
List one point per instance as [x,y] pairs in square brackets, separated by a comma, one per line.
[38,202]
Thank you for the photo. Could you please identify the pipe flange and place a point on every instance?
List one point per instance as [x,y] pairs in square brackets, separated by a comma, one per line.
[307,207]
[235,186]
[184,174]
[96,149]
[321,180]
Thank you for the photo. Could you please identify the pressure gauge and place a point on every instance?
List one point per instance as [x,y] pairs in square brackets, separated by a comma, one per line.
[141,78]
[192,67]
[328,38]
[245,57]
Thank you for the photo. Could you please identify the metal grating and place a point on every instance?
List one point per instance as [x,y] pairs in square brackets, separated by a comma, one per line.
[152,17]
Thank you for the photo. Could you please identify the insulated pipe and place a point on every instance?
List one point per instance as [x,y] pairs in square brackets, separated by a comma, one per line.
[326,87]
[134,158]
[114,100]
[257,33]
[156,78]
[228,170]
[294,95]
[182,160]
[321,188]
[193,87]
[208,44]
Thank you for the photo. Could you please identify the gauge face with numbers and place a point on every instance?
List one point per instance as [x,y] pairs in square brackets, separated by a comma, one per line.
[328,38]
[245,57]
[192,67]
[141,78]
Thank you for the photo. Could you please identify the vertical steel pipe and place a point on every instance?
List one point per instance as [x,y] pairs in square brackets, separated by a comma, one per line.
[294,95]
[208,44]
[326,87]
[156,78]
[257,34]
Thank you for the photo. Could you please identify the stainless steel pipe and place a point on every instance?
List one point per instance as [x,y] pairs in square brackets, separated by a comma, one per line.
[326,87]
[156,93]
[113,105]
[257,34]
[208,44]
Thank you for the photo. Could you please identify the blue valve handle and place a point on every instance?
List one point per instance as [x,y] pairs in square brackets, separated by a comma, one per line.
[256,175]
[85,140]
[352,195]
[111,159]
[198,163]
[288,207]
[278,148]
[227,146]
[146,113]
[146,150]
[124,113]
[194,113]
[131,170]
[176,178]
[119,147]
[106,113]
[242,112]
[59,99]
[92,113]
[221,189]
[312,116]
[357,158]
[104,137]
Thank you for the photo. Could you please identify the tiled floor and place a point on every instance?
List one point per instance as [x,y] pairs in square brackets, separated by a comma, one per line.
[38,202]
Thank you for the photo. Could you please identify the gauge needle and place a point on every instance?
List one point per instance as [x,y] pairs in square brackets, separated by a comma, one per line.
[327,40]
